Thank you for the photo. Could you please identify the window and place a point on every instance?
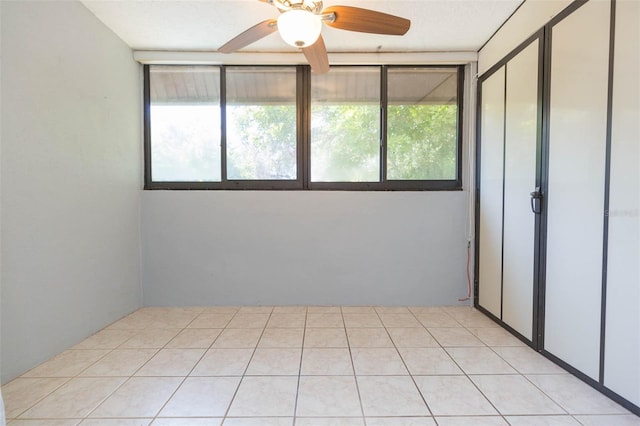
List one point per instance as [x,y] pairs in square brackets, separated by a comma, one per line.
[261,123]
[211,127]
[185,124]
[265,127]
[345,125]
[422,124]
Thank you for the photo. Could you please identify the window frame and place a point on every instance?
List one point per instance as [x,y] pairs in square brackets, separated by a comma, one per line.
[303,141]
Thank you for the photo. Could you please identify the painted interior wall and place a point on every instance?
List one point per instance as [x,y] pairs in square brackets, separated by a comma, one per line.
[622,334]
[529,18]
[303,247]
[2,413]
[71,175]
[309,247]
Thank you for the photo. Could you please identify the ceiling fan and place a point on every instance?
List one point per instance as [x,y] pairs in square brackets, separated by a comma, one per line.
[300,23]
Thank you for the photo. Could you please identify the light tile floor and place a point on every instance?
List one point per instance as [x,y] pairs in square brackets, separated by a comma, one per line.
[304,366]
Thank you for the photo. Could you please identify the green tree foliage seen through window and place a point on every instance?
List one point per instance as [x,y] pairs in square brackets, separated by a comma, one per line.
[421,142]
[345,140]
[261,142]
[345,143]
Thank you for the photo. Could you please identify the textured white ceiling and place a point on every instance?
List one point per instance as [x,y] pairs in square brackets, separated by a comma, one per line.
[436,25]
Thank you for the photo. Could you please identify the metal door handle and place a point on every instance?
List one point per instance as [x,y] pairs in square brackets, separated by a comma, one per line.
[536,197]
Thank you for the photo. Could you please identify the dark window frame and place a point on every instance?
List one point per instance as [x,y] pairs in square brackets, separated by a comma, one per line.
[303,141]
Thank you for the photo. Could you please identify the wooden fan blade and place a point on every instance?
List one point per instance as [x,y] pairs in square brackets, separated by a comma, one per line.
[251,35]
[317,56]
[366,21]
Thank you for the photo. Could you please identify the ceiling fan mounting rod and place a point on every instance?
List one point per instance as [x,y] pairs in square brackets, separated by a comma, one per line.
[313,6]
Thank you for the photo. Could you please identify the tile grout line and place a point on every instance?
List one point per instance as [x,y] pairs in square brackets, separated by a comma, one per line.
[464,373]
[142,366]
[70,378]
[547,395]
[192,368]
[528,380]
[407,367]
[518,373]
[353,367]
[405,364]
[242,377]
[468,376]
[304,333]
[127,378]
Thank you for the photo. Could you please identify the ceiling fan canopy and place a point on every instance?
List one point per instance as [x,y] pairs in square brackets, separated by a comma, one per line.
[300,23]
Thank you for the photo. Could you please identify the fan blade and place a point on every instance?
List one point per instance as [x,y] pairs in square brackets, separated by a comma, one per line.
[317,56]
[366,21]
[251,35]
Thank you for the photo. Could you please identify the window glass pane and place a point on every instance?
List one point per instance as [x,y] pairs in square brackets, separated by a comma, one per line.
[261,123]
[185,123]
[345,125]
[422,124]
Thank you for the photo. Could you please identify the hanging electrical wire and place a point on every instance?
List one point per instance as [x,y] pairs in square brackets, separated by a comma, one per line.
[471,138]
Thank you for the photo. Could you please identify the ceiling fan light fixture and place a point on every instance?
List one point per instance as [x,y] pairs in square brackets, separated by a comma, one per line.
[299,28]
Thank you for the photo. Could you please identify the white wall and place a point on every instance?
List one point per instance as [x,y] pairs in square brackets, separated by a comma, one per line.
[529,18]
[2,413]
[308,247]
[303,247]
[622,336]
[70,172]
